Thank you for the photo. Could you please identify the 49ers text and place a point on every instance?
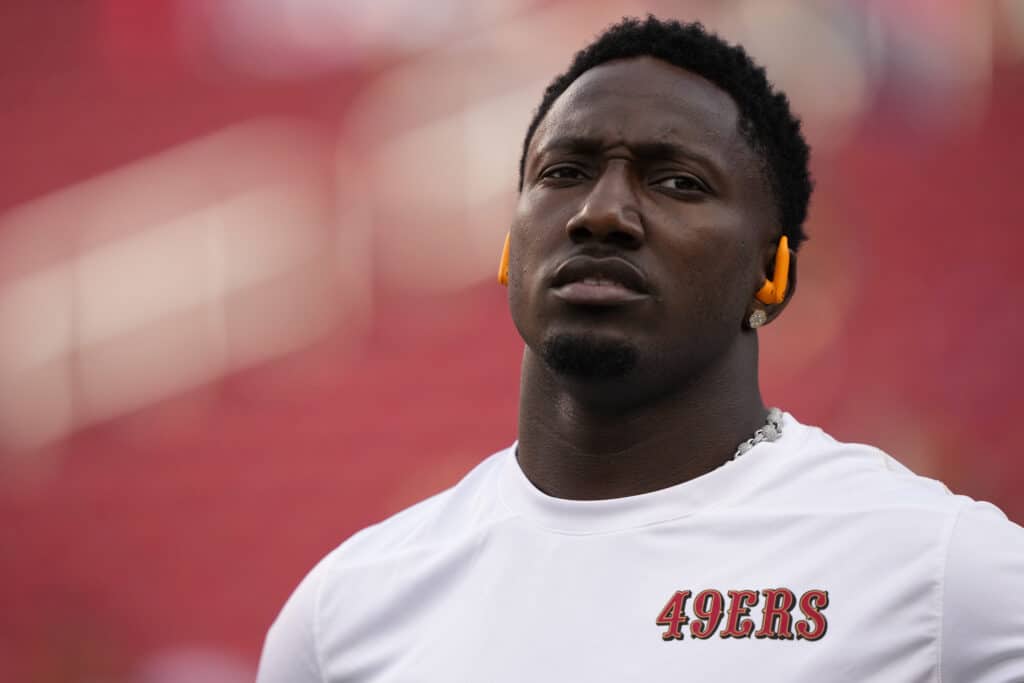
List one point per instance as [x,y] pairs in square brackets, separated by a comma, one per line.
[738,617]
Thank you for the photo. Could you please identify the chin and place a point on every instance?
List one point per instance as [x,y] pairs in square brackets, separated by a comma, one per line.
[589,356]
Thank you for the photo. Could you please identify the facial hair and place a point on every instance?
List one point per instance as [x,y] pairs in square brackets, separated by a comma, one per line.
[586,357]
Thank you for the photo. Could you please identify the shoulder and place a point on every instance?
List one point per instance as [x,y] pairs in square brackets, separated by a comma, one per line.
[467,507]
[859,486]
[983,597]
[975,554]
[839,476]
[293,648]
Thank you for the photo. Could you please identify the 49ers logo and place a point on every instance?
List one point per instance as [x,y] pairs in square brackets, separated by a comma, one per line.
[711,610]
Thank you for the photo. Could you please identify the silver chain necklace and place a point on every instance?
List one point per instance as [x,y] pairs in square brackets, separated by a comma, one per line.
[771,431]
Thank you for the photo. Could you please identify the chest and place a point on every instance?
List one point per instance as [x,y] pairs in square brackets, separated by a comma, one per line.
[728,599]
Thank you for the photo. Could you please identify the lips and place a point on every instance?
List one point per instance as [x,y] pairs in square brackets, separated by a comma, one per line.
[607,281]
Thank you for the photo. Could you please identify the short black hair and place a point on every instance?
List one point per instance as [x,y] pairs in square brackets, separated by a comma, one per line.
[766,122]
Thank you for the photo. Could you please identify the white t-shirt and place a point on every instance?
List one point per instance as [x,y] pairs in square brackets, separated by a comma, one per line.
[803,560]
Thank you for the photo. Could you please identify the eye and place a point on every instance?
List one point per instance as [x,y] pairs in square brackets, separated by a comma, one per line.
[563,172]
[682,183]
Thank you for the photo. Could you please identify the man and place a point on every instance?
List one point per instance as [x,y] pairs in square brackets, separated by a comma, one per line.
[655,520]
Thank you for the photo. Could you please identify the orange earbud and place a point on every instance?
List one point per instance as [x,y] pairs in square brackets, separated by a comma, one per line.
[774,291]
[503,265]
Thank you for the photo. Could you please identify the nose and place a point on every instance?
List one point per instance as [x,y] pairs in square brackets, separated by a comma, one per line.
[610,213]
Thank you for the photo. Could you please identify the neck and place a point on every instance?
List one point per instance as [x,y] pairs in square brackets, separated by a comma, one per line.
[574,446]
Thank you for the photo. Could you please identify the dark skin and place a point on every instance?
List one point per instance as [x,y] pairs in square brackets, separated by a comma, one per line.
[644,161]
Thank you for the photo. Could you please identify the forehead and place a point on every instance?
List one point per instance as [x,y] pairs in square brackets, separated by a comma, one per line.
[643,100]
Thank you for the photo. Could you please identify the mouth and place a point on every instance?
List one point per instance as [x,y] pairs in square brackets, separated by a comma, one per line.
[590,281]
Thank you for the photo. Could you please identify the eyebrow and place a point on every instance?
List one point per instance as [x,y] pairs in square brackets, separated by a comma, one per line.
[648,151]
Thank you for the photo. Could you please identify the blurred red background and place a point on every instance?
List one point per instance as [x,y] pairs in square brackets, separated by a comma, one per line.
[246,282]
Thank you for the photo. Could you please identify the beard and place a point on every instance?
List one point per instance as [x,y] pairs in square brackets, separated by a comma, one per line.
[587,357]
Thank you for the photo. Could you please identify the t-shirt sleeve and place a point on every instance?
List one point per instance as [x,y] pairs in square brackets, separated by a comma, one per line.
[290,650]
[983,599]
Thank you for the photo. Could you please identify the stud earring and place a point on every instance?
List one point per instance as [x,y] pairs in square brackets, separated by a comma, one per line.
[757,318]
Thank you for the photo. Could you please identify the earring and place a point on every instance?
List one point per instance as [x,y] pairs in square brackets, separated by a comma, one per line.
[757,318]
[503,265]
[774,291]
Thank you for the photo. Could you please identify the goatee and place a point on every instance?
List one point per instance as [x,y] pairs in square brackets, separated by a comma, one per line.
[586,357]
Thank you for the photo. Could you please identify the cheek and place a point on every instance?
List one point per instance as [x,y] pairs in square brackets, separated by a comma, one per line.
[717,265]
[525,259]
[537,229]
[540,210]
